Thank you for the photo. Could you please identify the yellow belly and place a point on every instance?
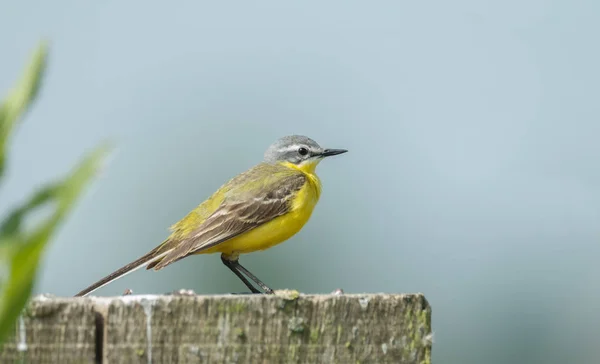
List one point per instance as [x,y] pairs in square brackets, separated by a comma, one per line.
[275,231]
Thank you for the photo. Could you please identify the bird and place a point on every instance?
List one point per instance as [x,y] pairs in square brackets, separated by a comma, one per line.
[255,210]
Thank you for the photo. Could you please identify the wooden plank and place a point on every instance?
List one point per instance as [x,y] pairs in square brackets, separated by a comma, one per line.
[286,328]
[380,328]
[53,330]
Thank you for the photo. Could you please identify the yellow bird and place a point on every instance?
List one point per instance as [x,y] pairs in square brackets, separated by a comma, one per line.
[255,210]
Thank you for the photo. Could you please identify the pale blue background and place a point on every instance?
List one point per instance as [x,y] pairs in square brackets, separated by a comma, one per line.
[473,129]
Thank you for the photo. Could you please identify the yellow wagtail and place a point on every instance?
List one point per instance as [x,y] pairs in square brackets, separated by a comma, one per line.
[255,210]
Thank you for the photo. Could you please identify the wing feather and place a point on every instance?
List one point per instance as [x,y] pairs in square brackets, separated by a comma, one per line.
[242,210]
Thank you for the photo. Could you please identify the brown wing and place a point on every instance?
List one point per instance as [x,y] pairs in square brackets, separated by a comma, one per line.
[242,210]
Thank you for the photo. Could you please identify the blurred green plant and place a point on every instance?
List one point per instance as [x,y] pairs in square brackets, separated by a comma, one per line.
[21,247]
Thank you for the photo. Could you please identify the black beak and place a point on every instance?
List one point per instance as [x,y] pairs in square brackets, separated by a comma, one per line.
[330,152]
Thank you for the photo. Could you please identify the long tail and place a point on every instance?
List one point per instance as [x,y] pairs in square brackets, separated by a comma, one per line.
[152,256]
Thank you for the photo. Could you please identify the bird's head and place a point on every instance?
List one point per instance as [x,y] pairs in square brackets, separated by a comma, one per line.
[299,151]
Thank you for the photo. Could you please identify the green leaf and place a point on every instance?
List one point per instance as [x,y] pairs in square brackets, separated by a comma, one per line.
[23,250]
[12,223]
[20,98]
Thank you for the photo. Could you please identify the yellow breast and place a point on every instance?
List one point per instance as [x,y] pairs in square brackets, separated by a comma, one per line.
[278,229]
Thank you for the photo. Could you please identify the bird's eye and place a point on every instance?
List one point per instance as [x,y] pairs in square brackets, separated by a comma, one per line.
[302,151]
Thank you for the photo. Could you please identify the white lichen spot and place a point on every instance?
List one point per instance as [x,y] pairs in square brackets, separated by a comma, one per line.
[147,305]
[183,292]
[354,331]
[287,294]
[223,324]
[364,302]
[384,348]
[136,298]
[413,355]
[22,345]
[338,292]
[297,324]
[428,339]
[44,297]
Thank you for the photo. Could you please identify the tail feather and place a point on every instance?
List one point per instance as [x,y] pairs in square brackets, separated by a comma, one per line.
[149,258]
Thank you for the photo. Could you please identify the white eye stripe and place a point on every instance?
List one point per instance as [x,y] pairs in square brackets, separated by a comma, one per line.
[293,148]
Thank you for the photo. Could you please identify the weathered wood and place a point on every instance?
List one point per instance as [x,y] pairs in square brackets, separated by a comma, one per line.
[370,328]
[53,330]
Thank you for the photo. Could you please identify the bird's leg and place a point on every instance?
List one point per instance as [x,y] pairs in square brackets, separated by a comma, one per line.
[231,264]
[253,277]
